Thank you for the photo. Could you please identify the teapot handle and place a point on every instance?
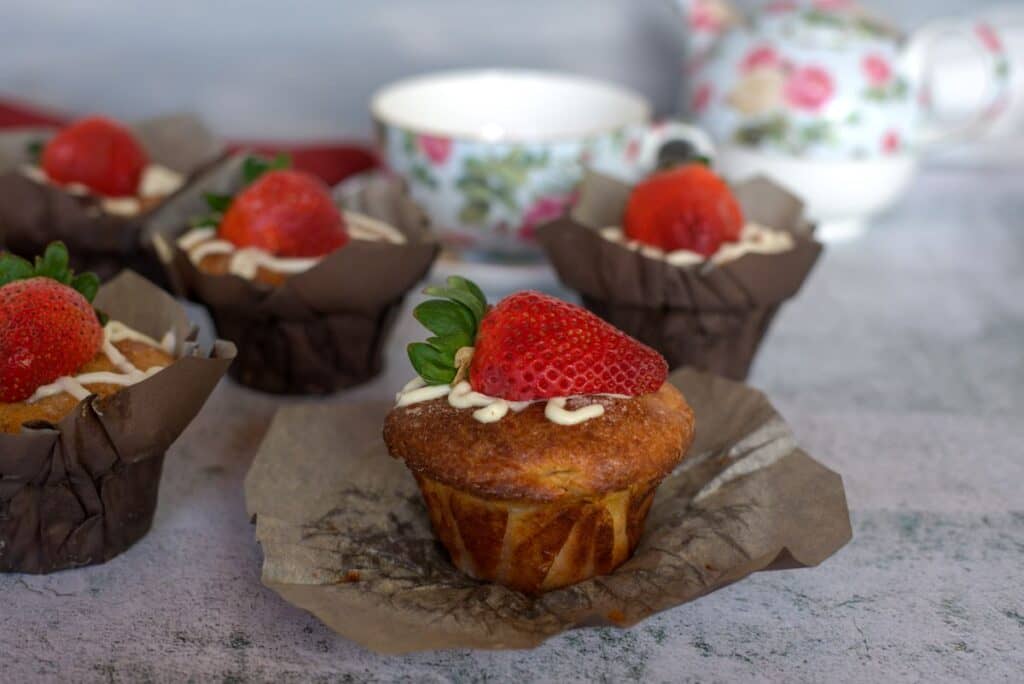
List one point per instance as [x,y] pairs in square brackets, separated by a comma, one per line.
[921,60]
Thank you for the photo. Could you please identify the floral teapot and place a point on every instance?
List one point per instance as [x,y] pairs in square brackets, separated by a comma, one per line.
[826,80]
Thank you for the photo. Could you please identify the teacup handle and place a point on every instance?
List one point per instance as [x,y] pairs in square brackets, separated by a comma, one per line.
[665,131]
[651,137]
[920,55]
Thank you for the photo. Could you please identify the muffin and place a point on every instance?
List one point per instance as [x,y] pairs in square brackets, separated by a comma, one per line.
[88,405]
[538,435]
[684,262]
[307,290]
[93,184]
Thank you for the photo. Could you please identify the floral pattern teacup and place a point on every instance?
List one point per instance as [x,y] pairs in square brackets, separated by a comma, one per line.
[491,155]
[823,79]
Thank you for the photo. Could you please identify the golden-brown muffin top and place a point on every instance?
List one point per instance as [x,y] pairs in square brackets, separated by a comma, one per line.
[526,456]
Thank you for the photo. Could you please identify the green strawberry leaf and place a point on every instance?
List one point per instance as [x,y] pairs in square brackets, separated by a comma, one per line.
[53,264]
[449,345]
[35,151]
[431,364]
[253,167]
[13,267]
[207,221]
[443,317]
[454,319]
[88,284]
[472,299]
[217,202]
[471,287]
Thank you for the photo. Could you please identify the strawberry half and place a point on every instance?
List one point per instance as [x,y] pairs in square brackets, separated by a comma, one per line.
[48,328]
[530,346]
[99,153]
[286,213]
[687,207]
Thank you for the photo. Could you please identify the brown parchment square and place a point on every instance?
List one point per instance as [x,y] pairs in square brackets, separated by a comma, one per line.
[345,534]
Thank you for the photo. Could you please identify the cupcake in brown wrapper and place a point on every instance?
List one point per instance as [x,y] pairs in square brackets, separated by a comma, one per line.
[34,212]
[709,315]
[319,330]
[81,490]
[534,505]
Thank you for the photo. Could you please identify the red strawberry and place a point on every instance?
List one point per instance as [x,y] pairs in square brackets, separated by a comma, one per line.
[47,330]
[287,213]
[99,153]
[687,207]
[533,346]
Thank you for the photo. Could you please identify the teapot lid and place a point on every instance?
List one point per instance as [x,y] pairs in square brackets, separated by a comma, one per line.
[823,23]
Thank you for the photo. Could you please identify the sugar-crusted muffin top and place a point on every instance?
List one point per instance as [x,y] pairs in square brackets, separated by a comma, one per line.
[526,456]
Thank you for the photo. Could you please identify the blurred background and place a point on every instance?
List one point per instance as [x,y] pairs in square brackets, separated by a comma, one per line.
[306,71]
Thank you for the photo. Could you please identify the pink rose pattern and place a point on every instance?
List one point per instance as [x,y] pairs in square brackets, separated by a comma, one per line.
[989,38]
[834,5]
[544,209]
[809,88]
[762,56]
[701,97]
[704,17]
[877,70]
[435,148]
[780,6]
[891,142]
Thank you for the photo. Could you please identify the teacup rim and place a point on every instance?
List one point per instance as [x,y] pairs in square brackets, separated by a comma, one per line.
[642,103]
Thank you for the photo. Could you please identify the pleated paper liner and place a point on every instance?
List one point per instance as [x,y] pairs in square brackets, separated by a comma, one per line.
[345,534]
[83,490]
[321,330]
[32,215]
[709,316]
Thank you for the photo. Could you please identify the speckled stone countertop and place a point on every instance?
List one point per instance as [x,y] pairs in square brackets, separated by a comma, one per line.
[901,365]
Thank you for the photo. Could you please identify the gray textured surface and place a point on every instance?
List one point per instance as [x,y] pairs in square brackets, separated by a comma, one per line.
[901,365]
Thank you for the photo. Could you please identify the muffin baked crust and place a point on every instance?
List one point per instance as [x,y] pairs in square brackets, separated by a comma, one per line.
[525,456]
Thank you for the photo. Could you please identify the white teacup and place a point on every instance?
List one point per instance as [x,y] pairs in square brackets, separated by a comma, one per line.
[492,154]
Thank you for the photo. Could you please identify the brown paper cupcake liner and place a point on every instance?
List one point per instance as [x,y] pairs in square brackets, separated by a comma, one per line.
[33,214]
[712,317]
[346,535]
[81,491]
[537,547]
[321,330]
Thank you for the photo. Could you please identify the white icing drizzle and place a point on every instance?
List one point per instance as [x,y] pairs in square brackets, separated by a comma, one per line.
[754,239]
[493,409]
[121,206]
[114,331]
[159,181]
[245,262]
[363,227]
[156,181]
[195,237]
[556,412]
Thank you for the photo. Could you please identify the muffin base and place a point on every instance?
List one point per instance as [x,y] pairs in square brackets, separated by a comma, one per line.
[537,546]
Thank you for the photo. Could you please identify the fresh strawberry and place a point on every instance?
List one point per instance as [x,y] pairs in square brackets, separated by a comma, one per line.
[99,153]
[287,213]
[530,346]
[687,207]
[48,329]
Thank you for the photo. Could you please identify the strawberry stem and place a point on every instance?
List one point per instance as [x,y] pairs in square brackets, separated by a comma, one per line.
[454,319]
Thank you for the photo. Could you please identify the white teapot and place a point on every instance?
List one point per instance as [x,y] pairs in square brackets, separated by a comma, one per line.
[828,99]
